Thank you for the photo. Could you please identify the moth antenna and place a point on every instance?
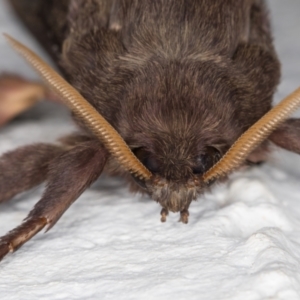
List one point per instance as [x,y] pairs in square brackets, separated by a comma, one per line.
[252,137]
[113,142]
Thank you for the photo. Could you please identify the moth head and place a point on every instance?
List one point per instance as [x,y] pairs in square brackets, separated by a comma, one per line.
[176,180]
[175,193]
[173,188]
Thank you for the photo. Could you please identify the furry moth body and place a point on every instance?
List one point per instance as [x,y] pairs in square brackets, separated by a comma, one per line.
[161,91]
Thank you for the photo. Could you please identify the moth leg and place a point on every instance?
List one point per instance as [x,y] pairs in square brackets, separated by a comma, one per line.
[20,235]
[69,175]
[25,168]
[260,154]
[287,136]
[17,95]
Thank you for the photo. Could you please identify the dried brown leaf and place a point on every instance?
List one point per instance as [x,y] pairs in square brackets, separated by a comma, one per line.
[17,95]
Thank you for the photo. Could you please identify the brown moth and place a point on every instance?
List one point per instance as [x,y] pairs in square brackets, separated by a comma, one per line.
[171,94]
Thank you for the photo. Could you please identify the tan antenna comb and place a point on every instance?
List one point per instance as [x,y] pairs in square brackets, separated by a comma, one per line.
[82,108]
[250,139]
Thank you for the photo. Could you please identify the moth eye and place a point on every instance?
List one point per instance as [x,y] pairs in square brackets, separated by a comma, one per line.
[147,159]
[200,165]
[206,160]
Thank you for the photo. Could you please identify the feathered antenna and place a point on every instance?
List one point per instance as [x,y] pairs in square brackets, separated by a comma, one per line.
[85,111]
[250,139]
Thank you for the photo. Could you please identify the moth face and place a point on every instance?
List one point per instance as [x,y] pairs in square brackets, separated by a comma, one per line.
[176,180]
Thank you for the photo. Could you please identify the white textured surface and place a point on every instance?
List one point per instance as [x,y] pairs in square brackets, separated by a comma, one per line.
[242,242]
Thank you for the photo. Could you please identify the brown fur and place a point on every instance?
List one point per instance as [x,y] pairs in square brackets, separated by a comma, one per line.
[174,77]
[69,174]
[173,86]
[287,135]
[25,168]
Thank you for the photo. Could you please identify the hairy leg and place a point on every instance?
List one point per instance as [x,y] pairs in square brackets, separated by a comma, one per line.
[25,168]
[69,175]
[260,154]
[287,136]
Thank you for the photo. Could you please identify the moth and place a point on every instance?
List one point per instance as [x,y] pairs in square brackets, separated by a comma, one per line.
[173,95]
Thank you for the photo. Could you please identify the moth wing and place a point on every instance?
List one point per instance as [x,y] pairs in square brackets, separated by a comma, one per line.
[52,21]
